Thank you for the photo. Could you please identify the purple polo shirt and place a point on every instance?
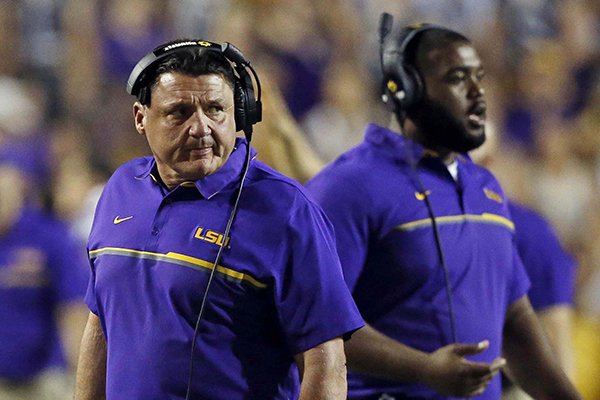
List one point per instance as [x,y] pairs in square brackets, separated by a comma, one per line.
[388,252]
[41,267]
[278,290]
[549,267]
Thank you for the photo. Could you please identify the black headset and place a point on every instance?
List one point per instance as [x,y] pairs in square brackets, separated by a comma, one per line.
[248,107]
[402,84]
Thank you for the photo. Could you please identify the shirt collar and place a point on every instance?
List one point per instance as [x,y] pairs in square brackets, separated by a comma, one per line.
[214,183]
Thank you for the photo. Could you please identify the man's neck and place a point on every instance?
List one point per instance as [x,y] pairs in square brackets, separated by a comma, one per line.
[410,131]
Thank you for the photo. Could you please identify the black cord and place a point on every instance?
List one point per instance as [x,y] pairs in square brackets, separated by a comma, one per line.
[215,266]
[438,245]
[440,251]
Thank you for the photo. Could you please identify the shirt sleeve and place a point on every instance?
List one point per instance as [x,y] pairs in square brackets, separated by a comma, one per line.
[90,295]
[550,268]
[312,299]
[519,284]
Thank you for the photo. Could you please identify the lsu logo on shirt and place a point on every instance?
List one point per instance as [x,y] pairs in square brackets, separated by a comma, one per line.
[211,236]
[490,194]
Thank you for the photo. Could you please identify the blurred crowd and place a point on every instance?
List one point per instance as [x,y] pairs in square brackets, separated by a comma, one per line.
[65,114]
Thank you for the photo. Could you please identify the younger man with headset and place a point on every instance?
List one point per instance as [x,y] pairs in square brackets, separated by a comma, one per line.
[200,290]
[426,241]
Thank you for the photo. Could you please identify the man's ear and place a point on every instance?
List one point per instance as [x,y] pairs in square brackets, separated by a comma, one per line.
[139,117]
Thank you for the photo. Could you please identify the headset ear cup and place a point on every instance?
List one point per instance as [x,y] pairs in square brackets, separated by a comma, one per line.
[239,97]
[408,88]
[403,87]
[413,86]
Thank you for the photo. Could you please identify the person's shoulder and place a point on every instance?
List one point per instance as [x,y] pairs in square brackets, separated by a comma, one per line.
[263,173]
[122,180]
[517,208]
[477,169]
[481,174]
[136,166]
[130,170]
[525,216]
[270,182]
[358,167]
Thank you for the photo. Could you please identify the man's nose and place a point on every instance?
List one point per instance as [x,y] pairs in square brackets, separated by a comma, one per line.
[476,88]
[200,124]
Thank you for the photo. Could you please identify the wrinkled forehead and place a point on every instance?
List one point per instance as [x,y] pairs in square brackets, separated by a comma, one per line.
[180,86]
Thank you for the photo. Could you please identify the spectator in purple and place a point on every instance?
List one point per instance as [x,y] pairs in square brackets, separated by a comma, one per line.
[42,282]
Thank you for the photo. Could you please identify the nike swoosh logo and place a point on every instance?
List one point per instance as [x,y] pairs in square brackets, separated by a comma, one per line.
[421,196]
[118,219]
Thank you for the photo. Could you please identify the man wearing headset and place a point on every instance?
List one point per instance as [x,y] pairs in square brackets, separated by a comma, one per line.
[199,289]
[426,241]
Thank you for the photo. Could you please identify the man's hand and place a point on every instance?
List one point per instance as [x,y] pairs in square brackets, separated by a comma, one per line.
[446,370]
[451,374]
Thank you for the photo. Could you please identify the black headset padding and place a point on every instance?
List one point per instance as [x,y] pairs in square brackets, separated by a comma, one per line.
[246,105]
[247,108]
[240,106]
[398,70]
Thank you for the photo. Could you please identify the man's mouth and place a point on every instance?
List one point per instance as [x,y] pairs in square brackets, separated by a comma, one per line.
[200,151]
[476,115]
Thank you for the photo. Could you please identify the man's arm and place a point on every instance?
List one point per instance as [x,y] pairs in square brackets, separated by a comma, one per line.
[530,358]
[557,322]
[323,371]
[90,382]
[445,370]
[71,321]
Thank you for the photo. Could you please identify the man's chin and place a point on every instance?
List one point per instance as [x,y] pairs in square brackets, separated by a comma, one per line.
[479,137]
[473,140]
[202,168]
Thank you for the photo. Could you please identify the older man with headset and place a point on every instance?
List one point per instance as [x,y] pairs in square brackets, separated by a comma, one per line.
[199,289]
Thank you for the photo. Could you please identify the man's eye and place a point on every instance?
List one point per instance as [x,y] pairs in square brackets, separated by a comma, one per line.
[178,113]
[457,77]
[214,110]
